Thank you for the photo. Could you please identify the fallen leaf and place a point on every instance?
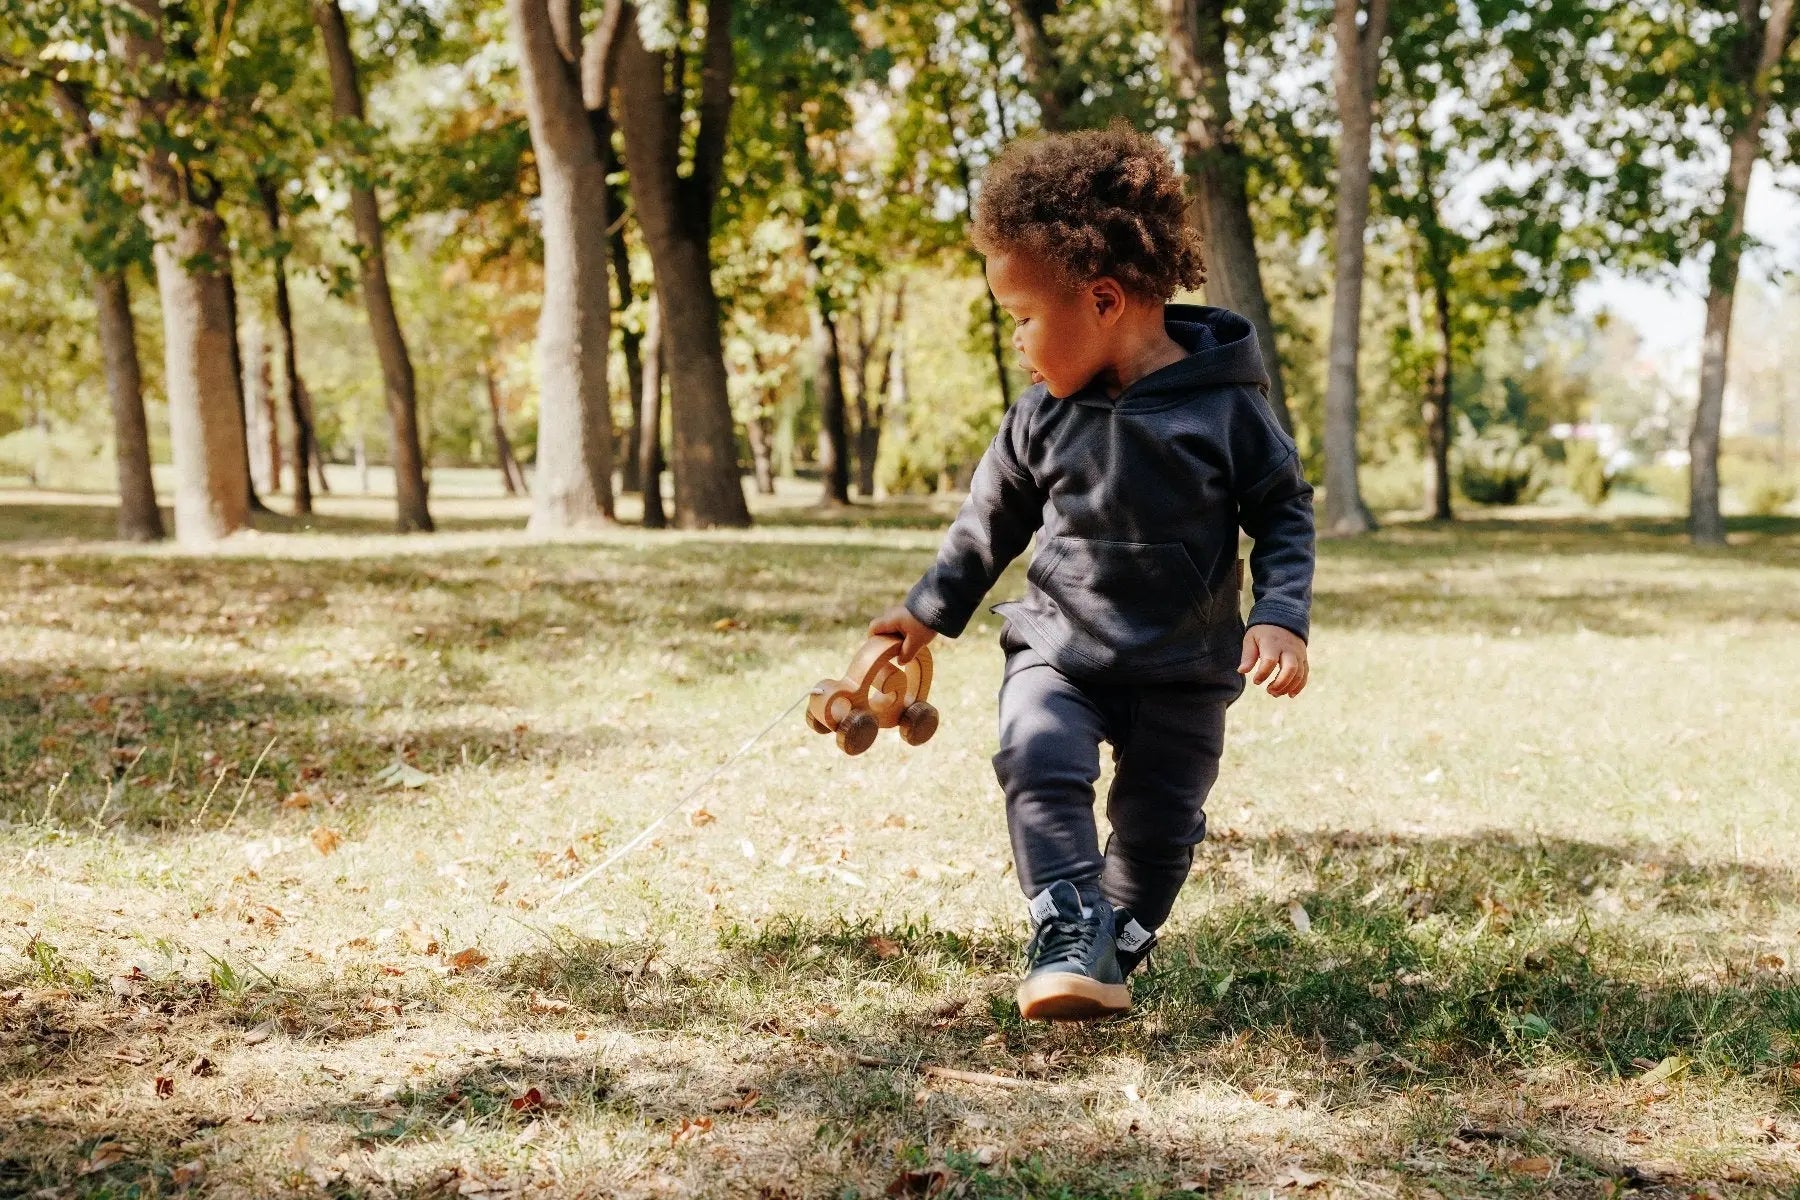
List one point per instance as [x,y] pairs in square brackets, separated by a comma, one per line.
[987,1156]
[129,985]
[1300,917]
[540,1003]
[1298,1178]
[882,946]
[325,839]
[298,800]
[105,1155]
[467,960]
[260,1034]
[1536,1167]
[401,775]
[928,1182]
[950,1008]
[1672,1067]
[727,624]
[188,1174]
[691,1129]
[700,817]
[531,1101]
[164,1087]
[1274,1097]
[201,1066]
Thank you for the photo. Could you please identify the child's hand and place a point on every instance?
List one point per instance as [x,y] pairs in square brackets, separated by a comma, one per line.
[914,633]
[1277,655]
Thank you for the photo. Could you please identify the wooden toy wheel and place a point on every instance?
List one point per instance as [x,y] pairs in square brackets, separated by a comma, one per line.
[918,723]
[856,732]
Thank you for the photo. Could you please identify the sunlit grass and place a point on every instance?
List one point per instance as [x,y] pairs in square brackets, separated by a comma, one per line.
[1535,816]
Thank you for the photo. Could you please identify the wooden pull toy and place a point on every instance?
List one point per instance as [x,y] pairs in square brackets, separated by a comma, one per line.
[875,694]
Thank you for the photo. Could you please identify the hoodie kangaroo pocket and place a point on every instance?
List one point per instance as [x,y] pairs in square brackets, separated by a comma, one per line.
[1126,605]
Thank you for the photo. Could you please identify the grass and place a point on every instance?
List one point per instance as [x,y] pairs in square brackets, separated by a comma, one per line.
[1506,905]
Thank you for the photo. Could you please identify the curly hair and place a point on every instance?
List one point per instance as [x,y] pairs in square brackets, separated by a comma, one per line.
[1092,203]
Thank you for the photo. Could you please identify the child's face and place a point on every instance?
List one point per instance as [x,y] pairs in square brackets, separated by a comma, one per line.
[1059,331]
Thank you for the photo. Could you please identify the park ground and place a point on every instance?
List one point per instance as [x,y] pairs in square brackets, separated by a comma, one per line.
[1508,904]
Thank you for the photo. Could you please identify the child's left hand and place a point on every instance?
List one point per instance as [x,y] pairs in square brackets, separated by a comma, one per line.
[1277,655]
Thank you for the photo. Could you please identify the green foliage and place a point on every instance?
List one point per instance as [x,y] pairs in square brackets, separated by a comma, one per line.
[1764,489]
[1498,467]
[1585,473]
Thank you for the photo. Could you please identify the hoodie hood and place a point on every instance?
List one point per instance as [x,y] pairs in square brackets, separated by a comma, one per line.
[1222,352]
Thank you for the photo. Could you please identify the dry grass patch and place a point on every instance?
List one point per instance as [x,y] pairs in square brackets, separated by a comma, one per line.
[1507,905]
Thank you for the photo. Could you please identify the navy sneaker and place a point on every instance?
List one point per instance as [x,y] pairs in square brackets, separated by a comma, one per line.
[1134,942]
[1071,967]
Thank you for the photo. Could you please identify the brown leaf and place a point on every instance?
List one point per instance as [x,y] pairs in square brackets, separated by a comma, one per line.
[700,817]
[104,1156]
[531,1101]
[100,705]
[165,1087]
[928,1182]
[1274,1097]
[727,624]
[298,800]
[883,946]
[202,1066]
[691,1129]
[1298,1178]
[188,1174]
[325,839]
[1537,1167]
[130,985]
[542,1004]
[467,960]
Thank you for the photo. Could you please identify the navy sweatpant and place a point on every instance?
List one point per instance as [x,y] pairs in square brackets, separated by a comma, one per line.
[1166,740]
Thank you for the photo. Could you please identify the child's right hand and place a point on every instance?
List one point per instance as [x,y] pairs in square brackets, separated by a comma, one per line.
[913,633]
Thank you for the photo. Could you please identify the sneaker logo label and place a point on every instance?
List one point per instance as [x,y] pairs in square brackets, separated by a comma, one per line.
[1134,937]
[1042,907]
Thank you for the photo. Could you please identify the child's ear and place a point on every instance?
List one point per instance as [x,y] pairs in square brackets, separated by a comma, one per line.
[1107,297]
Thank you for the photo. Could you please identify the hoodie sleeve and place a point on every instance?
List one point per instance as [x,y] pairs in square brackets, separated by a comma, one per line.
[1004,508]
[1275,507]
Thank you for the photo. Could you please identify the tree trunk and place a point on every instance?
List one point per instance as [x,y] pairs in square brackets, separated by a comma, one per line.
[139,518]
[299,409]
[649,448]
[1758,54]
[205,424]
[574,458]
[237,373]
[598,76]
[384,323]
[512,476]
[1437,408]
[675,212]
[761,453]
[259,413]
[1055,88]
[1216,171]
[872,418]
[834,434]
[1358,58]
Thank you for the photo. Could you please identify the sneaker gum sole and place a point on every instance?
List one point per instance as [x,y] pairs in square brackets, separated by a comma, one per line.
[1066,996]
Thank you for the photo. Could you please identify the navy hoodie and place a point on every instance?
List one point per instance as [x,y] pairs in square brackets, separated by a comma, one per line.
[1136,501]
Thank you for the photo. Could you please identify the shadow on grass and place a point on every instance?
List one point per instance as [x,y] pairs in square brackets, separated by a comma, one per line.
[81,520]
[1436,973]
[149,749]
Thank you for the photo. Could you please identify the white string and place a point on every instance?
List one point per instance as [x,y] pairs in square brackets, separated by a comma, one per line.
[580,882]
